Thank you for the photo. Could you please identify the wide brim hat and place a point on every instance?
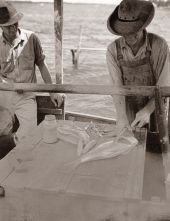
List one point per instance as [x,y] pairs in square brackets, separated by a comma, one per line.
[8,14]
[130,16]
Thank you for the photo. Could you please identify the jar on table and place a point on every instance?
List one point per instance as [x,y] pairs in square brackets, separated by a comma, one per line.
[50,129]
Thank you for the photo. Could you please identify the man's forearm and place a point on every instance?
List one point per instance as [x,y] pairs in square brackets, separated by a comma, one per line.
[150,106]
[45,74]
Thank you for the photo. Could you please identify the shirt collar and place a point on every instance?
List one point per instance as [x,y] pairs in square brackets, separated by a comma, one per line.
[20,38]
[146,44]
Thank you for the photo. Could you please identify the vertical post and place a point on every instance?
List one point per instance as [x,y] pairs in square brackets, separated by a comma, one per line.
[58,30]
[161,121]
[79,47]
[76,52]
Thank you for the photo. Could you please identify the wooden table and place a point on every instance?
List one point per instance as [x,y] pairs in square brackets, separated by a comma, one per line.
[52,188]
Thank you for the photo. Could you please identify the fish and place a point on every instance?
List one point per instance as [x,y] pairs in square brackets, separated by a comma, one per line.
[109,149]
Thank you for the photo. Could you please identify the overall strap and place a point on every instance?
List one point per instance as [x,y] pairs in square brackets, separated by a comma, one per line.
[149,53]
[119,53]
[119,56]
[147,58]
[150,40]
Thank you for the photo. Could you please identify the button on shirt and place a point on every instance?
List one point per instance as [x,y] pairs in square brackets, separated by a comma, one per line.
[18,61]
[160,58]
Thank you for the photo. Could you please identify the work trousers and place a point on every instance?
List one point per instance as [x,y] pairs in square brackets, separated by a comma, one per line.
[24,106]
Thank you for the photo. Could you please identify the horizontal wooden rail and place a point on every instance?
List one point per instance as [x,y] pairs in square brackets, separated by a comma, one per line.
[77,116]
[85,49]
[83,89]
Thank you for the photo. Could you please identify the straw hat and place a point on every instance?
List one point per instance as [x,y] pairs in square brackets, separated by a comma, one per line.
[8,14]
[130,16]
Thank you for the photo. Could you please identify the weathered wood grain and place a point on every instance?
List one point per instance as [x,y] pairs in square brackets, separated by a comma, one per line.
[81,89]
[86,89]
[58,30]
[51,185]
[161,120]
[46,106]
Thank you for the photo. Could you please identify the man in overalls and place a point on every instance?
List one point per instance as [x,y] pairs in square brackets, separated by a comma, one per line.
[136,58]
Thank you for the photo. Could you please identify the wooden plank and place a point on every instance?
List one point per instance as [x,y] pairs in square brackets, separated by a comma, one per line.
[7,164]
[50,169]
[75,116]
[93,191]
[80,89]
[86,89]
[50,111]
[165,91]
[44,205]
[161,121]
[166,163]
[135,186]
[85,49]
[44,101]
[58,30]
[46,106]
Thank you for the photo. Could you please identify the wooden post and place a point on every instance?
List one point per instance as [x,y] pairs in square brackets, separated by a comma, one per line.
[161,121]
[58,30]
[76,52]
[78,47]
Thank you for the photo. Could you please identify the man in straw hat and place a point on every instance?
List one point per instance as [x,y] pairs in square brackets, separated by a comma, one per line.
[136,58]
[20,53]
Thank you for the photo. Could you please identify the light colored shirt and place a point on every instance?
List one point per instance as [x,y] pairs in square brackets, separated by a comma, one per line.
[18,61]
[160,57]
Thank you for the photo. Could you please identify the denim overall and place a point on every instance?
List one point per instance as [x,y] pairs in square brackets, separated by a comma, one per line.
[138,73]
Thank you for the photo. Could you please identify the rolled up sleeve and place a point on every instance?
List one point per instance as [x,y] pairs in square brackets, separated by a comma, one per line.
[112,64]
[164,78]
[161,65]
[39,54]
[116,80]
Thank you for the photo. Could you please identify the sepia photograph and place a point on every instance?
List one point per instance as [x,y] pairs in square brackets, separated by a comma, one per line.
[84,110]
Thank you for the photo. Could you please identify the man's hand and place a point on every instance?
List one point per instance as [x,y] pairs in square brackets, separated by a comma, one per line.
[121,126]
[57,99]
[142,118]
